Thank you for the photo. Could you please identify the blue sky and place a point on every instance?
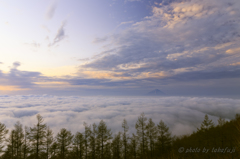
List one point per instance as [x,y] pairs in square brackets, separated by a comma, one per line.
[120,47]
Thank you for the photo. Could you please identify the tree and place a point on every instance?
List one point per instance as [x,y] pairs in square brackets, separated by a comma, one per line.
[64,140]
[93,140]
[107,151]
[78,141]
[3,133]
[141,132]
[221,121]
[164,137]
[87,134]
[117,146]
[37,135]
[125,137]
[206,124]
[26,143]
[19,138]
[15,142]
[104,135]
[237,128]
[11,146]
[54,149]
[151,135]
[49,140]
[133,146]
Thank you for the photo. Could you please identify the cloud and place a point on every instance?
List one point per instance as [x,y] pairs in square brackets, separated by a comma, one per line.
[100,40]
[132,0]
[61,35]
[179,38]
[18,79]
[34,44]
[16,65]
[51,10]
[84,59]
[124,23]
[46,28]
[71,111]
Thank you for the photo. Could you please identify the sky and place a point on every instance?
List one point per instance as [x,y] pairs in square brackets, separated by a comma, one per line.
[120,47]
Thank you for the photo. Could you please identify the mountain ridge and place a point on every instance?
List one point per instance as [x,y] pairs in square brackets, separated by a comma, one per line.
[155,92]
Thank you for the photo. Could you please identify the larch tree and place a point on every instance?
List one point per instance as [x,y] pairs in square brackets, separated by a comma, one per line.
[237,127]
[64,140]
[141,132]
[206,124]
[37,135]
[11,145]
[93,140]
[151,135]
[133,146]
[26,146]
[87,134]
[54,149]
[78,141]
[221,121]
[19,138]
[104,135]
[164,137]
[49,140]
[3,133]
[117,146]
[125,137]
[107,151]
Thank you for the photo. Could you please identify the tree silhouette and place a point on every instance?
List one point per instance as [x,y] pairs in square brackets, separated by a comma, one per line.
[104,135]
[164,137]
[64,140]
[37,135]
[3,133]
[125,137]
[141,132]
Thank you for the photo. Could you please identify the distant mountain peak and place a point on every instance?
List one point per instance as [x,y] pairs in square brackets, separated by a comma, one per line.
[155,92]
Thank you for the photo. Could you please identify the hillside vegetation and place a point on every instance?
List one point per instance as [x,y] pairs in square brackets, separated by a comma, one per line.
[151,141]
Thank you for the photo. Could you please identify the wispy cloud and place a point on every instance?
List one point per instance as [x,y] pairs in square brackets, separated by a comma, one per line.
[124,23]
[60,35]
[131,0]
[51,10]
[34,44]
[45,28]
[100,40]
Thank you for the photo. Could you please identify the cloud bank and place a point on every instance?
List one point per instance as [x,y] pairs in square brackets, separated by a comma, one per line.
[182,114]
[18,78]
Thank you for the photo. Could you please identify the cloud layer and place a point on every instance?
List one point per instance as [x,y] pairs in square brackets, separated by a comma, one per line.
[182,114]
[180,39]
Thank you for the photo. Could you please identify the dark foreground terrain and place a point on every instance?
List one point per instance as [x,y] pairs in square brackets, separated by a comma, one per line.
[151,141]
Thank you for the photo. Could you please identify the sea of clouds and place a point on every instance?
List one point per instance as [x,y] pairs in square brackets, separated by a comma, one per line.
[183,115]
